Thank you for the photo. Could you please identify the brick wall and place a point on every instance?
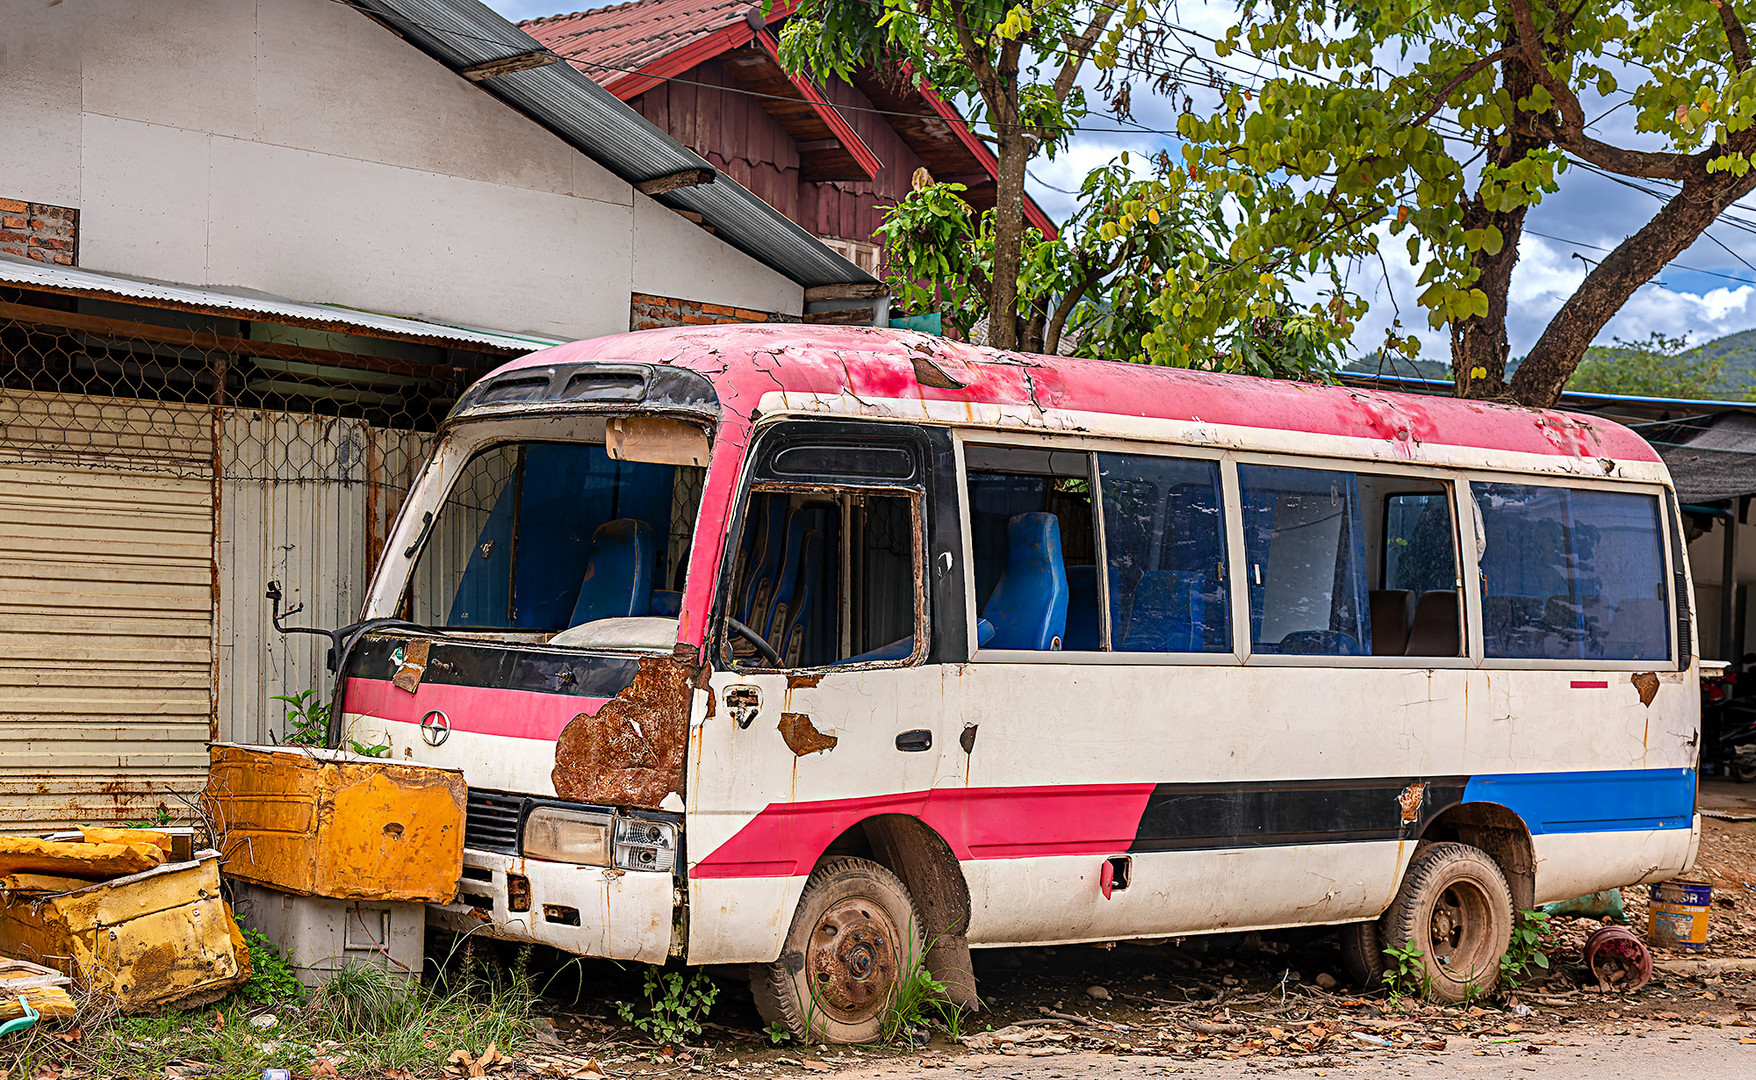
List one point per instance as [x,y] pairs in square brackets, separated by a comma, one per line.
[646,312]
[36,231]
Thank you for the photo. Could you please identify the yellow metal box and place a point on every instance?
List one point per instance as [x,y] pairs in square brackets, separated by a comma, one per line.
[329,823]
[146,941]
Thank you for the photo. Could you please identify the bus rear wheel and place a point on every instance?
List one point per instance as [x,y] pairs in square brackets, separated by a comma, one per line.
[1455,909]
[853,940]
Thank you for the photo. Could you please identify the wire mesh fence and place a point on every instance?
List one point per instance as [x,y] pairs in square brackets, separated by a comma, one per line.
[175,463]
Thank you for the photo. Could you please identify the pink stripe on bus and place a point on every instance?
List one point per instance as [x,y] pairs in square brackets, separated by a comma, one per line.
[785,839]
[1591,684]
[516,714]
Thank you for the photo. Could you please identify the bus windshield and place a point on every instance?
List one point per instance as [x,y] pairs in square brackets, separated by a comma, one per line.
[553,538]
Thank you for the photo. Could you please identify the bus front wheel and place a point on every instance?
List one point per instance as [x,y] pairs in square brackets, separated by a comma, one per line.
[854,939]
[1455,910]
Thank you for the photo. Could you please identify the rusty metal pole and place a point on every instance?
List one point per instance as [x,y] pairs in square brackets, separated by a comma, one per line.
[1728,584]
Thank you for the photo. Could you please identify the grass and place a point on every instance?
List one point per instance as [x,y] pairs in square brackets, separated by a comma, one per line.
[362,1023]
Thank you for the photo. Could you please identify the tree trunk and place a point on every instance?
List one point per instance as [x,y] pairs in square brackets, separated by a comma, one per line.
[1544,373]
[1479,343]
[1014,155]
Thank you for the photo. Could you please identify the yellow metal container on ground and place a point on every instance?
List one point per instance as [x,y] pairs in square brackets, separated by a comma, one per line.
[146,941]
[333,824]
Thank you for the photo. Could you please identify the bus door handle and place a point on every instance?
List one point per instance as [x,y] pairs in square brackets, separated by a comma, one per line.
[915,741]
[743,702]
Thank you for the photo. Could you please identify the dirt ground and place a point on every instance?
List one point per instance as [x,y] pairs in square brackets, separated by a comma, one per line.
[1258,1001]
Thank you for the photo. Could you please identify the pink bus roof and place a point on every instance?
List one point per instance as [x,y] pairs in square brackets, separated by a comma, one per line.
[746,361]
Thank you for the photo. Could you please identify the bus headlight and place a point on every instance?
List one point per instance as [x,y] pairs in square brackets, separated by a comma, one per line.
[567,836]
[645,845]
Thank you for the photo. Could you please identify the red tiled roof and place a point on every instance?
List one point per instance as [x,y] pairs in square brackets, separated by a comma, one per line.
[610,43]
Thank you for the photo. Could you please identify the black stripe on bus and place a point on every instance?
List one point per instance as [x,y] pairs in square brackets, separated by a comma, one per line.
[1279,813]
[499,667]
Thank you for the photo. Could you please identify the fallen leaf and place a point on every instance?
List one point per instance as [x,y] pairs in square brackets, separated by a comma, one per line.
[816,1066]
[591,1070]
[324,1067]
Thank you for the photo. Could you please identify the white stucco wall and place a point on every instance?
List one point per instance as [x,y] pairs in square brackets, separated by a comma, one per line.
[298,148]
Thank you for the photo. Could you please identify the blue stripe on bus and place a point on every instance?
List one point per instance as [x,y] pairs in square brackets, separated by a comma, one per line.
[1620,800]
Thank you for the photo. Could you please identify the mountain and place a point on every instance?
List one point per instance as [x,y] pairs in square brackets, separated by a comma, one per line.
[1738,351]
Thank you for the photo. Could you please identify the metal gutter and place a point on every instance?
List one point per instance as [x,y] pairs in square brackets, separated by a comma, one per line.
[68,281]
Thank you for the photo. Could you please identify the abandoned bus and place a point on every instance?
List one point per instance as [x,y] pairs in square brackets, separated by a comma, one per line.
[807,649]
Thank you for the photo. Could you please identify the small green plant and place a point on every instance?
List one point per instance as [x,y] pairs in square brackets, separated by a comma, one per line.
[675,1005]
[1405,972]
[919,1005]
[271,977]
[161,817]
[307,721]
[777,1033]
[1530,932]
[369,749]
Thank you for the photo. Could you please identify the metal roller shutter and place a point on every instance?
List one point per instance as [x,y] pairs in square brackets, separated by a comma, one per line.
[106,607]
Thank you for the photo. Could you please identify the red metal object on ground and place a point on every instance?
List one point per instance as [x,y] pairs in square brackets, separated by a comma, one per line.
[1618,959]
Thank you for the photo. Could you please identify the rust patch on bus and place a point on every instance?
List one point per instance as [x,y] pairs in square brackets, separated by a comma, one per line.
[414,665]
[802,736]
[803,682]
[630,752]
[1646,683]
[1410,802]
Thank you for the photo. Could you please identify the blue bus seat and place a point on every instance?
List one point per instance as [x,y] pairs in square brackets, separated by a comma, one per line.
[765,558]
[1028,608]
[794,647]
[618,572]
[666,602]
[772,621]
[1082,610]
[1168,612]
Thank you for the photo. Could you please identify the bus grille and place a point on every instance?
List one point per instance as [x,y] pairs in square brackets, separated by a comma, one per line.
[491,821]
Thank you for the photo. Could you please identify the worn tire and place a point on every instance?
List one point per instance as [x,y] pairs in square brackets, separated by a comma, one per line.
[1455,907]
[1362,955]
[853,937]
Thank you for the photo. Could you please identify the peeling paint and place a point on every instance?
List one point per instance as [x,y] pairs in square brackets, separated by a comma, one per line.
[803,682]
[413,666]
[631,751]
[1646,682]
[802,736]
[1410,802]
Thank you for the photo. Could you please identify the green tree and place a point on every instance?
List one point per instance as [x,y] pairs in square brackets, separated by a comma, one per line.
[1448,120]
[1095,287]
[1662,367]
[1017,63]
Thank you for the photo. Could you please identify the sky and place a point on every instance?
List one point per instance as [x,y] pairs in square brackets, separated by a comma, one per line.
[1709,291]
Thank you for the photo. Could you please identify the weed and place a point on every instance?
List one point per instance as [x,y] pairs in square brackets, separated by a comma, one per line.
[161,817]
[778,1033]
[675,1005]
[307,720]
[919,1004]
[271,977]
[363,1022]
[1530,932]
[1405,972]
[369,749]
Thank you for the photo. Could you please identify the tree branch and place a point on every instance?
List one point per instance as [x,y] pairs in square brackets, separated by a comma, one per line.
[1530,45]
[1475,67]
[1735,35]
[1080,48]
[1650,164]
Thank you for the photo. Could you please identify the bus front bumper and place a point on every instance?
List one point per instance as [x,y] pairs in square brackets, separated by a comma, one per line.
[584,910]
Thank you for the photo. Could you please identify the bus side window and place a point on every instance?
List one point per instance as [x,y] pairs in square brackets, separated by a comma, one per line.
[826,578]
[1164,546]
[1572,574]
[1315,540]
[1034,549]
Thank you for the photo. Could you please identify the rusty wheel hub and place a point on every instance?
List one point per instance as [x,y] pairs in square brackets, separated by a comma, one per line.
[852,961]
[1460,930]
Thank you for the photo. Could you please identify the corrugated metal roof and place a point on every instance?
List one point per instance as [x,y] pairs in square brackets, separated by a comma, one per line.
[627,37]
[73,282]
[463,33]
